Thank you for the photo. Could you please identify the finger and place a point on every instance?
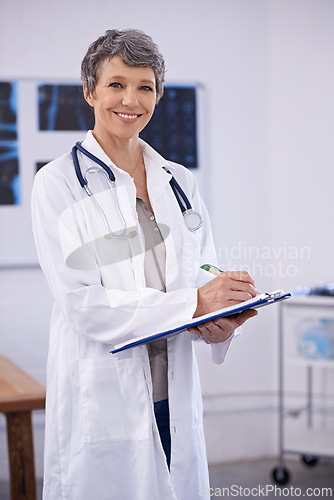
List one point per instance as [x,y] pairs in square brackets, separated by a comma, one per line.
[220,329]
[205,328]
[202,331]
[199,329]
[233,297]
[212,328]
[244,316]
[235,320]
[244,287]
[236,285]
[239,276]
[194,330]
[241,295]
[213,334]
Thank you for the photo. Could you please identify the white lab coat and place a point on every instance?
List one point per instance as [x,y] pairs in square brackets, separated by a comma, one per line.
[101,437]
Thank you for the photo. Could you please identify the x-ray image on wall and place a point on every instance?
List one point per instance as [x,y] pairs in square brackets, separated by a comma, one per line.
[41,120]
[9,163]
[63,107]
[172,130]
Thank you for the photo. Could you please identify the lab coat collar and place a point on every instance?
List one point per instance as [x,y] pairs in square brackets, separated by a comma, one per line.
[155,164]
[91,144]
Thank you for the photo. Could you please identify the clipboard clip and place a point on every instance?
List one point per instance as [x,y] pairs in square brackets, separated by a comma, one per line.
[274,294]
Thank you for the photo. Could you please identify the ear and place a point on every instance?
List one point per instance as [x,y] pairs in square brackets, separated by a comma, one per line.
[88,97]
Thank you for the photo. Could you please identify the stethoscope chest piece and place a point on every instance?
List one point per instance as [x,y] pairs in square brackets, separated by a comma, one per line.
[192,219]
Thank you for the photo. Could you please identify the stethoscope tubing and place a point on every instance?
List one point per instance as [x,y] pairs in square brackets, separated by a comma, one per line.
[178,191]
[184,204]
[95,159]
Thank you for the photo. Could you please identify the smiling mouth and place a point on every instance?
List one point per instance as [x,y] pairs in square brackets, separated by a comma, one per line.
[126,116]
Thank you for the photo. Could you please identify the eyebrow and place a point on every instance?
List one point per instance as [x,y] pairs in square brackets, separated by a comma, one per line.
[119,77]
[151,82]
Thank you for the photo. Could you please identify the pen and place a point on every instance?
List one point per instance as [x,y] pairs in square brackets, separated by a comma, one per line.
[212,269]
[215,270]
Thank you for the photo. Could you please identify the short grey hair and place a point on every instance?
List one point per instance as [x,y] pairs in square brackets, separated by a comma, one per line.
[133,46]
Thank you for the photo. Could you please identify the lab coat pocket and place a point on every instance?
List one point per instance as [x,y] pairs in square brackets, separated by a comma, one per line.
[115,400]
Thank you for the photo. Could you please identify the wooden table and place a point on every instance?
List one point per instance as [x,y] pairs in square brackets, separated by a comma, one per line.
[19,395]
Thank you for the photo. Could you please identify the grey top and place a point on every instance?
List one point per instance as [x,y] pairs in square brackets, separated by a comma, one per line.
[154,268]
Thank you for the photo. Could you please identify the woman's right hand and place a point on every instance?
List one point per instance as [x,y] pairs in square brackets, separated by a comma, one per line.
[227,289]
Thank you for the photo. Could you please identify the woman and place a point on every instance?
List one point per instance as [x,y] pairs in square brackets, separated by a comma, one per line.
[121,264]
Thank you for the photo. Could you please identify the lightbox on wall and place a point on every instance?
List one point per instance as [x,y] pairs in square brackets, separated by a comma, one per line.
[9,157]
[172,130]
[63,108]
[40,121]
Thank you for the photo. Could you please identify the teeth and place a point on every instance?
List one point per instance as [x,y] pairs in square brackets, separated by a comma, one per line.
[129,117]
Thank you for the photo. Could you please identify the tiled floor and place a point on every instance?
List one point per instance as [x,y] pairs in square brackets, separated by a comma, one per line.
[253,479]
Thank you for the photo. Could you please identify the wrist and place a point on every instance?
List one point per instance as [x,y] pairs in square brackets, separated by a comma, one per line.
[199,308]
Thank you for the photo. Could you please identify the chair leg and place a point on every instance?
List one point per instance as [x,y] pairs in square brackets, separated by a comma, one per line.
[21,456]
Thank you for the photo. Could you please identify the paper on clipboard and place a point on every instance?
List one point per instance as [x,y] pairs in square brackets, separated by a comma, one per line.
[260,300]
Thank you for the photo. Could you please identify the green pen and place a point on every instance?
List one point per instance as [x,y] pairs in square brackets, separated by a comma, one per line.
[211,269]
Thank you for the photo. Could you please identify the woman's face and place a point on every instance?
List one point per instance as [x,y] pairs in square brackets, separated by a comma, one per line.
[123,100]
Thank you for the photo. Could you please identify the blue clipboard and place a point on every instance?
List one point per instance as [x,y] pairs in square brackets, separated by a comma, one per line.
[261,300]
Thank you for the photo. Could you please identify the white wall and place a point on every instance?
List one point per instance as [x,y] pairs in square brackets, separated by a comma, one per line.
[266,67]
[302,120]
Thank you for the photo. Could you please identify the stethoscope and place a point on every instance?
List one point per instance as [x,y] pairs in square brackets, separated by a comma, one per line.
[192,219]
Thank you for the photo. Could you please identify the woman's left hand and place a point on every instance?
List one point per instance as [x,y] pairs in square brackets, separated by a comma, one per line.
[219,330]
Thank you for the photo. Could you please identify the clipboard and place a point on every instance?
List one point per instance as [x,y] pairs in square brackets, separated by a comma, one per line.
[260,300]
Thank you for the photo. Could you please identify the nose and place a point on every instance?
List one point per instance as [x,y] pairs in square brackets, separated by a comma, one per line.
[130,98]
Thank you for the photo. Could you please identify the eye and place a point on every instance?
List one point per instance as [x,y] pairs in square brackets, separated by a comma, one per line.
[115,85]
[146,88]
